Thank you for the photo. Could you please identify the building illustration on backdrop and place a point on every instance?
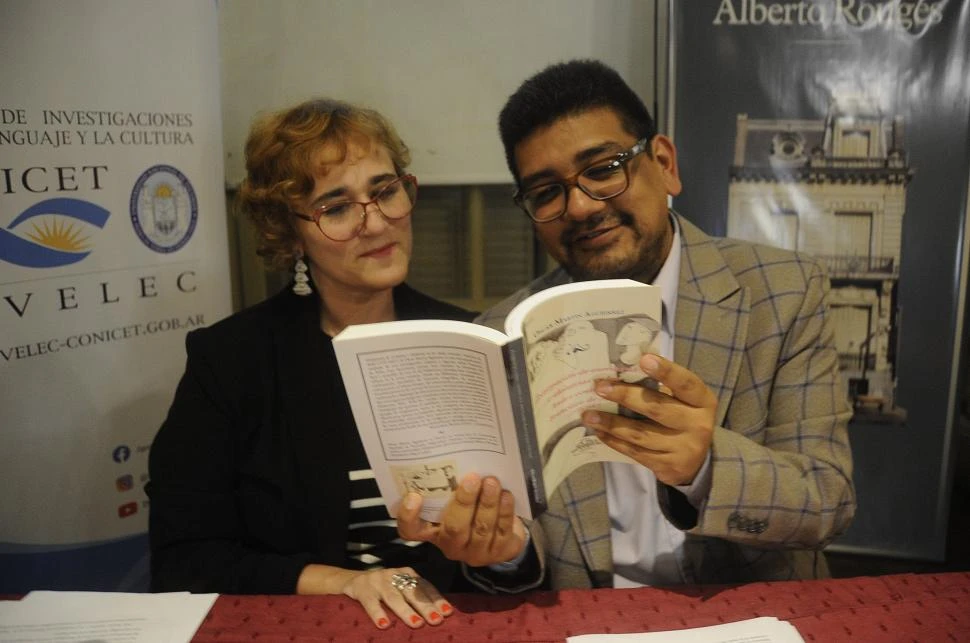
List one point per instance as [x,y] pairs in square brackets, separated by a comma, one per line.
[835,188]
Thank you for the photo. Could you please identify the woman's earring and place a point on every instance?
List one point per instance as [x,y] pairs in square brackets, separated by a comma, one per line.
[301,283]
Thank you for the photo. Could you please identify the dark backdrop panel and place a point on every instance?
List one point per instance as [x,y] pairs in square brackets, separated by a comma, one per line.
[919,72]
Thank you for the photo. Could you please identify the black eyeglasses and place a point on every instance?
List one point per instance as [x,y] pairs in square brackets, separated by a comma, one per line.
[601,181]
[344,220]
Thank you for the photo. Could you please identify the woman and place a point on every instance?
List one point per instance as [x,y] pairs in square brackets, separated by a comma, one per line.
[254,471]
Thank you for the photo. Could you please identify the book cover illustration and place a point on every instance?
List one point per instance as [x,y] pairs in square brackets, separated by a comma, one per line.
[570,343]
[563,362]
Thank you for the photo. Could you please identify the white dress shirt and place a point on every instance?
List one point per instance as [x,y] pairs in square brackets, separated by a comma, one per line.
[647,549]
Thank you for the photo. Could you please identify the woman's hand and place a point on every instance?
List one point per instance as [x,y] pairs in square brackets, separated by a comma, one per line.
[413,599]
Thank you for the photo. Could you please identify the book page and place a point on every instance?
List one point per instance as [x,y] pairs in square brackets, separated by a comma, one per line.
[431,407]
[764,629]
[103,617]
[577,334]
[431,401]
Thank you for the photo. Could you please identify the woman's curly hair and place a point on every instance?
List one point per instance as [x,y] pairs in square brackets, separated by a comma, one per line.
[282,160]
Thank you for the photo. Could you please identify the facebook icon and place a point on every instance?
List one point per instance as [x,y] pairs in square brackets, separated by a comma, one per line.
[121,453]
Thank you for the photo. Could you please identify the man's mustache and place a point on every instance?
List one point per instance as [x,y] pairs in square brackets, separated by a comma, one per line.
[577,229]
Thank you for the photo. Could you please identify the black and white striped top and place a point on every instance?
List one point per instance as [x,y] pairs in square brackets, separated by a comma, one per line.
[372,538]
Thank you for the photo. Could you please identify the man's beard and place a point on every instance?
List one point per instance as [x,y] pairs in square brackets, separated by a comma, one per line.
[643,261]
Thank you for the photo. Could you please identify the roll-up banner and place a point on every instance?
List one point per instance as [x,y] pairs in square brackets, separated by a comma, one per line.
[840,128]
[113,245]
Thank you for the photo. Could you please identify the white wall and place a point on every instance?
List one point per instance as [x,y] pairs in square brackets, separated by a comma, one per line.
[439,69]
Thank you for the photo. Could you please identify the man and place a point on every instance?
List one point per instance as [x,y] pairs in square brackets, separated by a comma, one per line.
[745,468]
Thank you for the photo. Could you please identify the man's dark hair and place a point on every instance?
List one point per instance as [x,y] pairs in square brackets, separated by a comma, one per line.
[569,89]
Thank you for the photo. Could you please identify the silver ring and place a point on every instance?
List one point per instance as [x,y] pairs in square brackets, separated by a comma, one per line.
[401,582]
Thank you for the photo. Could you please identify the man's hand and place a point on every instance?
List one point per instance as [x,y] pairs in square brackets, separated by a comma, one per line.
[478,525]
[674,440]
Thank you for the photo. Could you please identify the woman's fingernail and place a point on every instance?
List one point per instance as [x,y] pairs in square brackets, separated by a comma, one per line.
[412,500]
[592,417]
[383,622]
[604,388]
[434,616]
[415,619]
[447,608]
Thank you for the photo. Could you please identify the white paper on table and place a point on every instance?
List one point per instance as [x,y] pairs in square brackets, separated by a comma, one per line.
[765,629]
[108,617]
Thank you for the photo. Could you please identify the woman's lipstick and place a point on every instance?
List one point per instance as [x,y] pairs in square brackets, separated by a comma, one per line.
[380,253]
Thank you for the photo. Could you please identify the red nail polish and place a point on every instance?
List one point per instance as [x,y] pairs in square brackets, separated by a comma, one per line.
[434,616]
[415,619]
[446,608]
[382,622]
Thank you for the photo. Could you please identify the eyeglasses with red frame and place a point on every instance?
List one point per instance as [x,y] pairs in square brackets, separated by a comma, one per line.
[343,220]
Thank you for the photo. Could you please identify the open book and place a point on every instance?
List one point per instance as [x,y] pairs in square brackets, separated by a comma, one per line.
[435,400]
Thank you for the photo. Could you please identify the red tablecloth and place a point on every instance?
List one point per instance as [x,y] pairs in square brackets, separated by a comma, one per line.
[905,607]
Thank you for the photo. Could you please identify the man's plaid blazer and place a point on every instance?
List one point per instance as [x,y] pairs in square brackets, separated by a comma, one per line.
[752,322]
